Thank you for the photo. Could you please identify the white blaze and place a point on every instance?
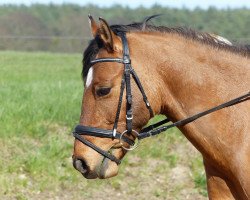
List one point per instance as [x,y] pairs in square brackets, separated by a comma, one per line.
[89,77]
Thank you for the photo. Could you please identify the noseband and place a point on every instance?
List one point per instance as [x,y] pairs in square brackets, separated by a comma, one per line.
[129,132]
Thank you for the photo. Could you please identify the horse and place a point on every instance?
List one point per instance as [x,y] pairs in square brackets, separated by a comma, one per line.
[176,72]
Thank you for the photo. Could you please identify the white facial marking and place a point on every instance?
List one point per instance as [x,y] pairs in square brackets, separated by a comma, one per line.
[89,77]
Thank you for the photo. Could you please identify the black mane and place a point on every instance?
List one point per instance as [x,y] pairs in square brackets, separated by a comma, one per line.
[205,38]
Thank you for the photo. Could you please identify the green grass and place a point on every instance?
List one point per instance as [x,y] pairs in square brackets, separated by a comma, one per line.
[199,176]
[38,89]
[40,102]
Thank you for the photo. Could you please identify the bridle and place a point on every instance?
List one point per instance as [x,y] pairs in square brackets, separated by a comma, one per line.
[125,83]
[129,132]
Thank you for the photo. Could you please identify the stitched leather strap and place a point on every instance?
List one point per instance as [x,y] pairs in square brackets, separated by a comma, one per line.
[119,106]
[103,133]
[145,99]
[127,72]
[118,60]
[100,151]
[183,122]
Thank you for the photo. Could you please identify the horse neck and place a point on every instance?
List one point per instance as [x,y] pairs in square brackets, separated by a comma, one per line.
[190,77]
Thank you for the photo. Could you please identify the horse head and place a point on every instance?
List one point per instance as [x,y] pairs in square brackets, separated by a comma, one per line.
[104,111]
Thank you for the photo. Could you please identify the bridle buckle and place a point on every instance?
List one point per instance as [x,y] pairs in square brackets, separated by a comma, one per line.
[126,60]
[114,132]
[129,118]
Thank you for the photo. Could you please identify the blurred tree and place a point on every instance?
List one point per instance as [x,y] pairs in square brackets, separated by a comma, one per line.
[68,23]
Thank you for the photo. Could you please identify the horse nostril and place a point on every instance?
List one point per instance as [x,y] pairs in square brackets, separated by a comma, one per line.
[80,165]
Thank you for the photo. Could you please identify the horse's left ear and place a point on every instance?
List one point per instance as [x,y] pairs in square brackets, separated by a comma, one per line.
[109,39]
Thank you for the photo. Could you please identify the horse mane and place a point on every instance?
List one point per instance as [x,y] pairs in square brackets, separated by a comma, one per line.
[205,38]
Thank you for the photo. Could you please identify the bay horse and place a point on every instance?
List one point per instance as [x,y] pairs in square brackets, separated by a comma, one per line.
[181,72]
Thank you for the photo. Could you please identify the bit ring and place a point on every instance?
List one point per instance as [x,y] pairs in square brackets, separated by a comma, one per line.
[136,144]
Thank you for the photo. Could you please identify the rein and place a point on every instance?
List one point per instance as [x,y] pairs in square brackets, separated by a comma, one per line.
[149,131]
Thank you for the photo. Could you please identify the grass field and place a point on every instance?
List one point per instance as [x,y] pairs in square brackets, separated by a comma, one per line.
[40,101]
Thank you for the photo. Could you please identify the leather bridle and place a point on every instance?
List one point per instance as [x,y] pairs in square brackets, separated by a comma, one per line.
[129,132]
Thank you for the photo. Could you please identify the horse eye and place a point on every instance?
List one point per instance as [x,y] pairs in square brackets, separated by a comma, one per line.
[103,91]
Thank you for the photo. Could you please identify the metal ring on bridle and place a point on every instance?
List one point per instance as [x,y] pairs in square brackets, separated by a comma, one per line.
[137,141]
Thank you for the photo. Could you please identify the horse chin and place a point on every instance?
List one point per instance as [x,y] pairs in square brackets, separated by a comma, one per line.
[107,169]
[90,175]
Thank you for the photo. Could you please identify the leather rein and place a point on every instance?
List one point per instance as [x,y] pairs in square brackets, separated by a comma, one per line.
[149,131]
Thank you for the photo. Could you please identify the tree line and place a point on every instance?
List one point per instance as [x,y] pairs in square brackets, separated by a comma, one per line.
[64,28]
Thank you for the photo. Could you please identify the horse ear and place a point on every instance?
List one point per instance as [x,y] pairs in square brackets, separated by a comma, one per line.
[109,39]
[93,26]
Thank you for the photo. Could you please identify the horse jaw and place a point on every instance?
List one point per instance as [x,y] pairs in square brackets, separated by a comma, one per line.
[107,169]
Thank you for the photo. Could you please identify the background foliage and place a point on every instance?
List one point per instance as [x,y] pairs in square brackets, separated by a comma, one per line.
[64,28]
